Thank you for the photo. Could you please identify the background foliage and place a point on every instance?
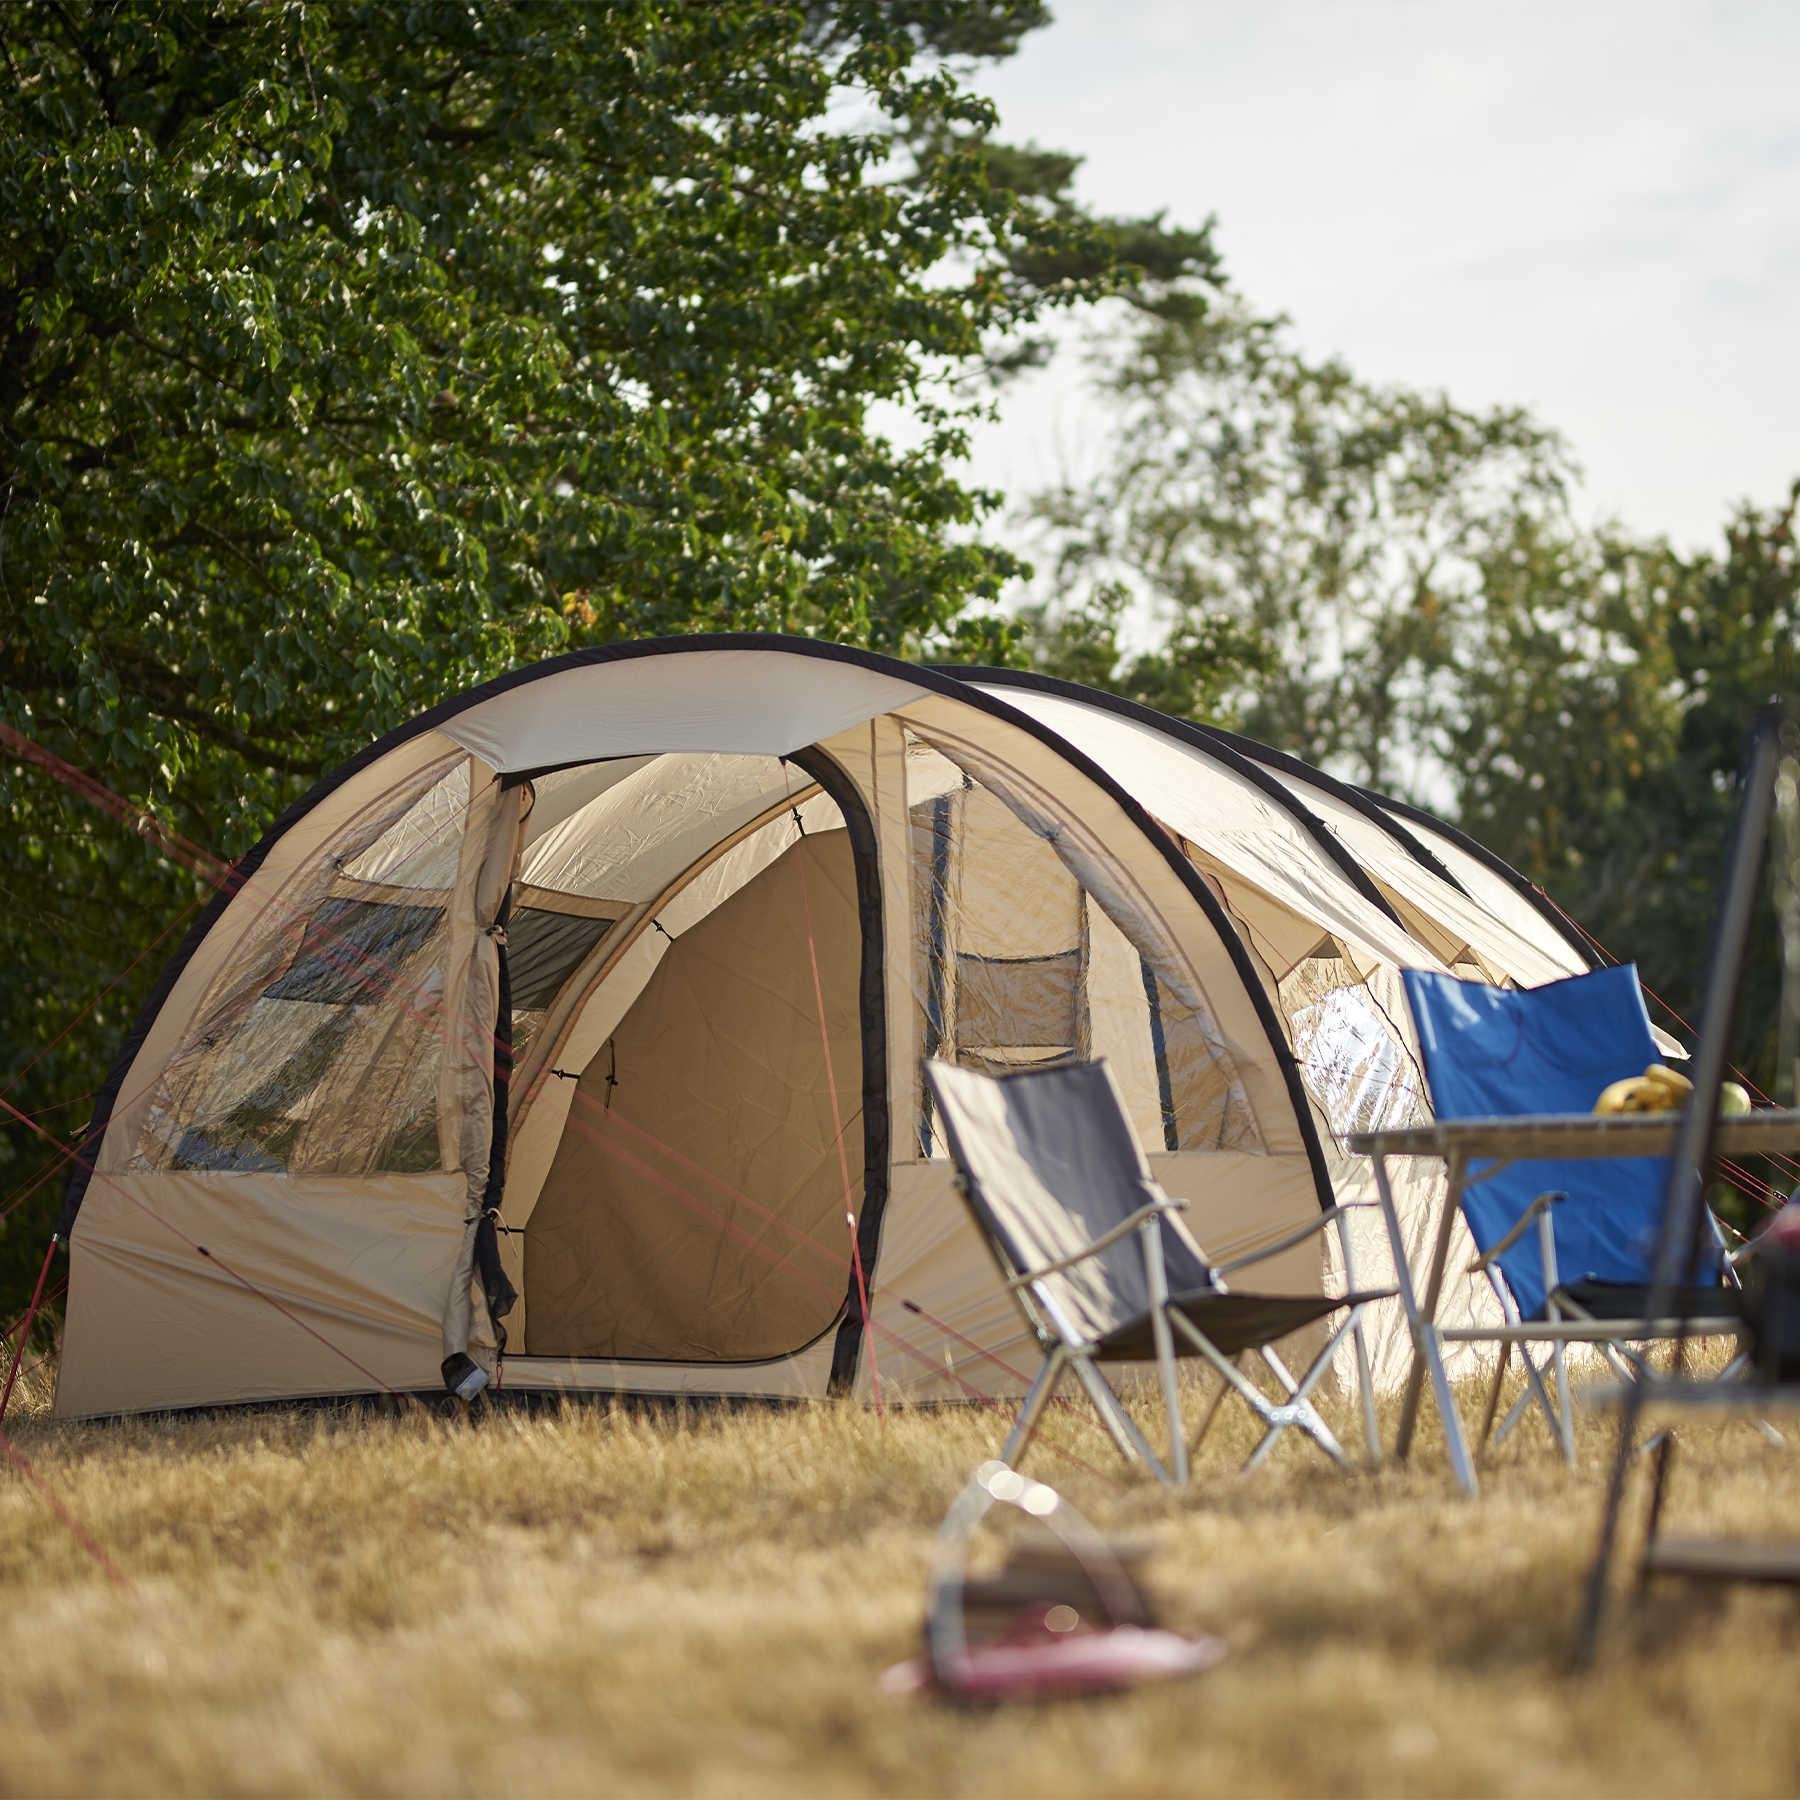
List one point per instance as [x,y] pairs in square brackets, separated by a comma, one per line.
[1394,586]
[351,354]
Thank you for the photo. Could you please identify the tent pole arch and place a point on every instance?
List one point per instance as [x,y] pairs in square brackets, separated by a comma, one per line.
[848,1349]
[1202,739]
[1351,796]
[1526,889]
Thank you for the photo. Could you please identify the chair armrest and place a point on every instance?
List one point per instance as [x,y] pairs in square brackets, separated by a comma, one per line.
[1105,1241]
[1541,1204]
[1290,1239]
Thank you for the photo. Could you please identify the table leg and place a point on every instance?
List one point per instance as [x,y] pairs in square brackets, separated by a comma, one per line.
[1427,1357]
[1409,1302]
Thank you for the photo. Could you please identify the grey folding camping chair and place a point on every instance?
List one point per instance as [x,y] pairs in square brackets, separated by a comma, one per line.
[1100,1263]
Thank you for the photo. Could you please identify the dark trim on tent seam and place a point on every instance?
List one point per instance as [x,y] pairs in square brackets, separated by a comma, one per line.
[1200,738]
[1251,758]
[927,679]
[1230,939]
[1339,789]
[937,975]
[1527,889]
[497,1289]
[846,1354]
[1159,1045]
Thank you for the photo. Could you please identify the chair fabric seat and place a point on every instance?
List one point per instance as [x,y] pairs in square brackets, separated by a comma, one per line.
[1056,1179]
[1631,1300]
[1231,1322]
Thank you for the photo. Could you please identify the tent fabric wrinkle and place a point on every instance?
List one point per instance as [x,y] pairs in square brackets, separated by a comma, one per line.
[608,988]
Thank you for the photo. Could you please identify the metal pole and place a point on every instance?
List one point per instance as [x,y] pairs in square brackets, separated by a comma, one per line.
[1684,1210]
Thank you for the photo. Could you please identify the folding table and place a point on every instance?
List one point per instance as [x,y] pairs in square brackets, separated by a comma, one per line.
[1459,1143]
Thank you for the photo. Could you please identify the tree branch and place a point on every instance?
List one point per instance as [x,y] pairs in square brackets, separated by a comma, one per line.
[91,60]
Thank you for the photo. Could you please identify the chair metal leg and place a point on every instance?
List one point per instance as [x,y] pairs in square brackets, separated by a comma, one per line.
[1165,1356]
[1735,1370]
[1132,1442]
[1276,1418]
[1279,1369]
[1165,1347]
[1565,1418]
[1428,1356]
[1514,1414]
[1031,1414]
[1299,1408]
[1493,1405]
[1534,1390]
[1308,1418]
[1455,1444]
[1206,1424]
[1365,1382]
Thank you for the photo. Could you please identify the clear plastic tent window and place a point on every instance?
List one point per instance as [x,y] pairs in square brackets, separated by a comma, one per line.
[318,1048]
[1351,1055]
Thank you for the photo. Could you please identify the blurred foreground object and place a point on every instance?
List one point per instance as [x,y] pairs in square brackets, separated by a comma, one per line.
[1772,1296]
[1065,1614]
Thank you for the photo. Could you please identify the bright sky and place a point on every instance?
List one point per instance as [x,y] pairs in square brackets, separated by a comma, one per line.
[1589,209]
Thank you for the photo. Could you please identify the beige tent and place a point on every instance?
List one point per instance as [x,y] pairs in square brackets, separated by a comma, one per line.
[575,1030]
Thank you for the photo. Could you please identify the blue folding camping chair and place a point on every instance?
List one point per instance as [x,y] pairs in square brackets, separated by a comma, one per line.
[1567,1245]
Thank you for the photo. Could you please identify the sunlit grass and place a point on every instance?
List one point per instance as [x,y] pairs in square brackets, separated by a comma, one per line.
[595,1600]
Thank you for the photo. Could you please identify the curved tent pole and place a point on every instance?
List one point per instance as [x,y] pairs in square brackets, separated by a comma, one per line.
[1391,815]
[1523,885]
[1195,737]
[865,1236]
[1248,757]
[1339,789]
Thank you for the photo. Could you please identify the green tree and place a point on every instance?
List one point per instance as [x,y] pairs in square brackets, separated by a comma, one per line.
[1200,670]
[1310,546]
[352,353]
[1602,728]
[1392,585]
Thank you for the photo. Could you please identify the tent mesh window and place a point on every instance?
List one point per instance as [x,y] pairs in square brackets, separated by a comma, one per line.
[544,947]
[1017,960]
[1352,1058]
[319,1047]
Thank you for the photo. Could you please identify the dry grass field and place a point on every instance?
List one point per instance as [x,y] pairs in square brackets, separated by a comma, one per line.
[592,1601]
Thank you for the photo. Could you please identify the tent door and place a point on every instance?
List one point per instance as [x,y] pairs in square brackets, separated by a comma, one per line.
[695,1210]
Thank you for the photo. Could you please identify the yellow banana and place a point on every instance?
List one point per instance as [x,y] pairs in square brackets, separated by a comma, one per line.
[1635,1094]
[1662,1089]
